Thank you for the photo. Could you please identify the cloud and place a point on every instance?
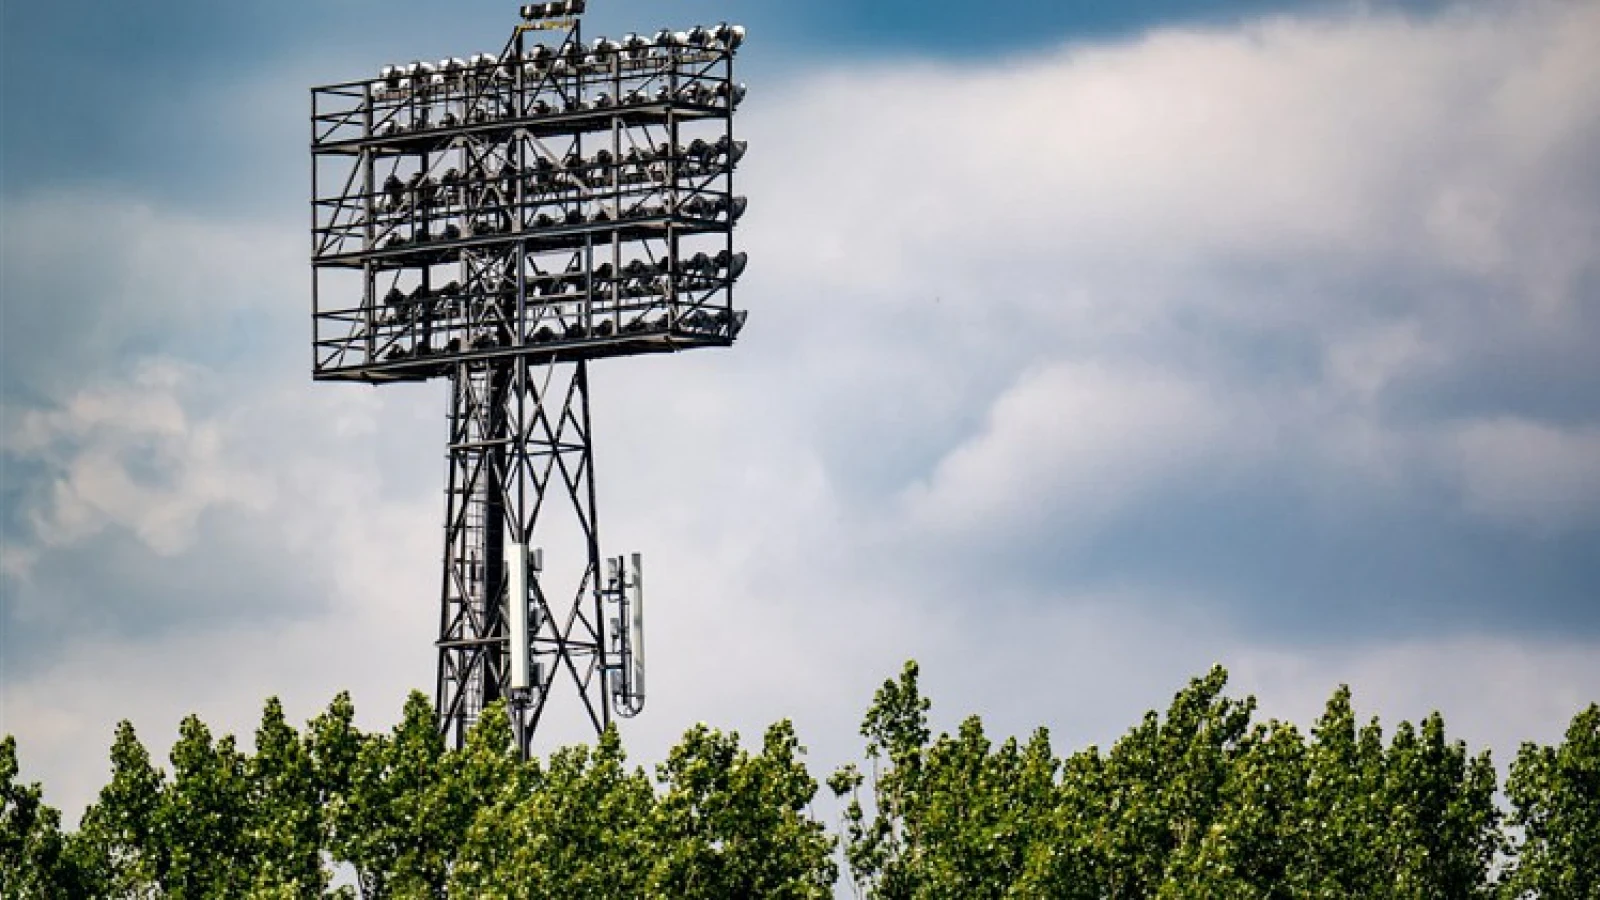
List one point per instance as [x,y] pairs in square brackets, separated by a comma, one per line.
[1527,472]
[1074,437]
[1069,374]
[129,456]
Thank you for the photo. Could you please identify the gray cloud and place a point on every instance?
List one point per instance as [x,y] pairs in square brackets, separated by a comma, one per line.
[1070,375]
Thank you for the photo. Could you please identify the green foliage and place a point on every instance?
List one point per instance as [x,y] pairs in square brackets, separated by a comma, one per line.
[34,859]
[1555,792]
[1198,802]
[735,825]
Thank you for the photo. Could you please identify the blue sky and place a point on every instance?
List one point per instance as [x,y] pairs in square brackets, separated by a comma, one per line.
[1091,344]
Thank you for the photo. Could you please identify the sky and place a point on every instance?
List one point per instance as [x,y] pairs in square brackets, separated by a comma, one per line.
[1091,344]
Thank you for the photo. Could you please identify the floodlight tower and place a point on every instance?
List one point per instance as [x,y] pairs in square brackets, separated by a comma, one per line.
[499,222]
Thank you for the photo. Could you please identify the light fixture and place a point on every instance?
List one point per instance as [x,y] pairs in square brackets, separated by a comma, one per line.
[732,93]
[534,11]
[734,207]
[729,36]
[732,263]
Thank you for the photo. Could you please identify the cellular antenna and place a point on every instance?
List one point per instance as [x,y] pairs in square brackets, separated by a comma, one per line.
[500,221]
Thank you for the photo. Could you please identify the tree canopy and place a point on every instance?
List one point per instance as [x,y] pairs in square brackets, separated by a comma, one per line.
[1204,799]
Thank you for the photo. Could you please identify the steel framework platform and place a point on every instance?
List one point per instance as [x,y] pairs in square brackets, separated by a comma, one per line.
[499,222]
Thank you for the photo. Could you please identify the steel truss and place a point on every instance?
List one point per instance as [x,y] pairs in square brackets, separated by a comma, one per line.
[499,222]
[520,452]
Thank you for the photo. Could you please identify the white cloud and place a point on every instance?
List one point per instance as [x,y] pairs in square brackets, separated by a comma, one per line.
[984,298]
[1529,473]
[1081,438]
[128,455]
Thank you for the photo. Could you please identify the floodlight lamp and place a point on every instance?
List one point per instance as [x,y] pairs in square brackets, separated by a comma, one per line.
[732,150]
[698,36]
[734,208]
[729,36]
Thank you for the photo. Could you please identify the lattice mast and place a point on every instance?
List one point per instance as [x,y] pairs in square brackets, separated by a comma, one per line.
[499,222]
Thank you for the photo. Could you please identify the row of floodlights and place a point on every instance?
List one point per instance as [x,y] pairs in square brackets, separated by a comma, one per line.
[558,9]
[639,277]
[698,159]
[716,210]
[698,94]
[575,54]
[718,323]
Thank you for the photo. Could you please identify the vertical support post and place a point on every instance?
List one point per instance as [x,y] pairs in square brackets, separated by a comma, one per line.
[521,456]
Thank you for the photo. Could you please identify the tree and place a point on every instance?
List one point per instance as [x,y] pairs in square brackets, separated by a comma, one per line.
[283,827]
[393,825]
[120,844]
[1196,802]
[1555,795]
[34,862]
[202,819]
[735,825]
[573,827]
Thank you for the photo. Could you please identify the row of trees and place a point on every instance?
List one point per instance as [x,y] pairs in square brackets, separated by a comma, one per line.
[1204,801]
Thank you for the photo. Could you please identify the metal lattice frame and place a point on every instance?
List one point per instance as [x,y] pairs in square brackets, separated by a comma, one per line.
[498,222]
[520,452]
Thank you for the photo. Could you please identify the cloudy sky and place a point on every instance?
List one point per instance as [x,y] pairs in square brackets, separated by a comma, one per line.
[1091,343]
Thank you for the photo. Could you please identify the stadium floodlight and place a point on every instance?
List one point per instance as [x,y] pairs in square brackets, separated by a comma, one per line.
[560,8]
[729,36]
[476,217]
